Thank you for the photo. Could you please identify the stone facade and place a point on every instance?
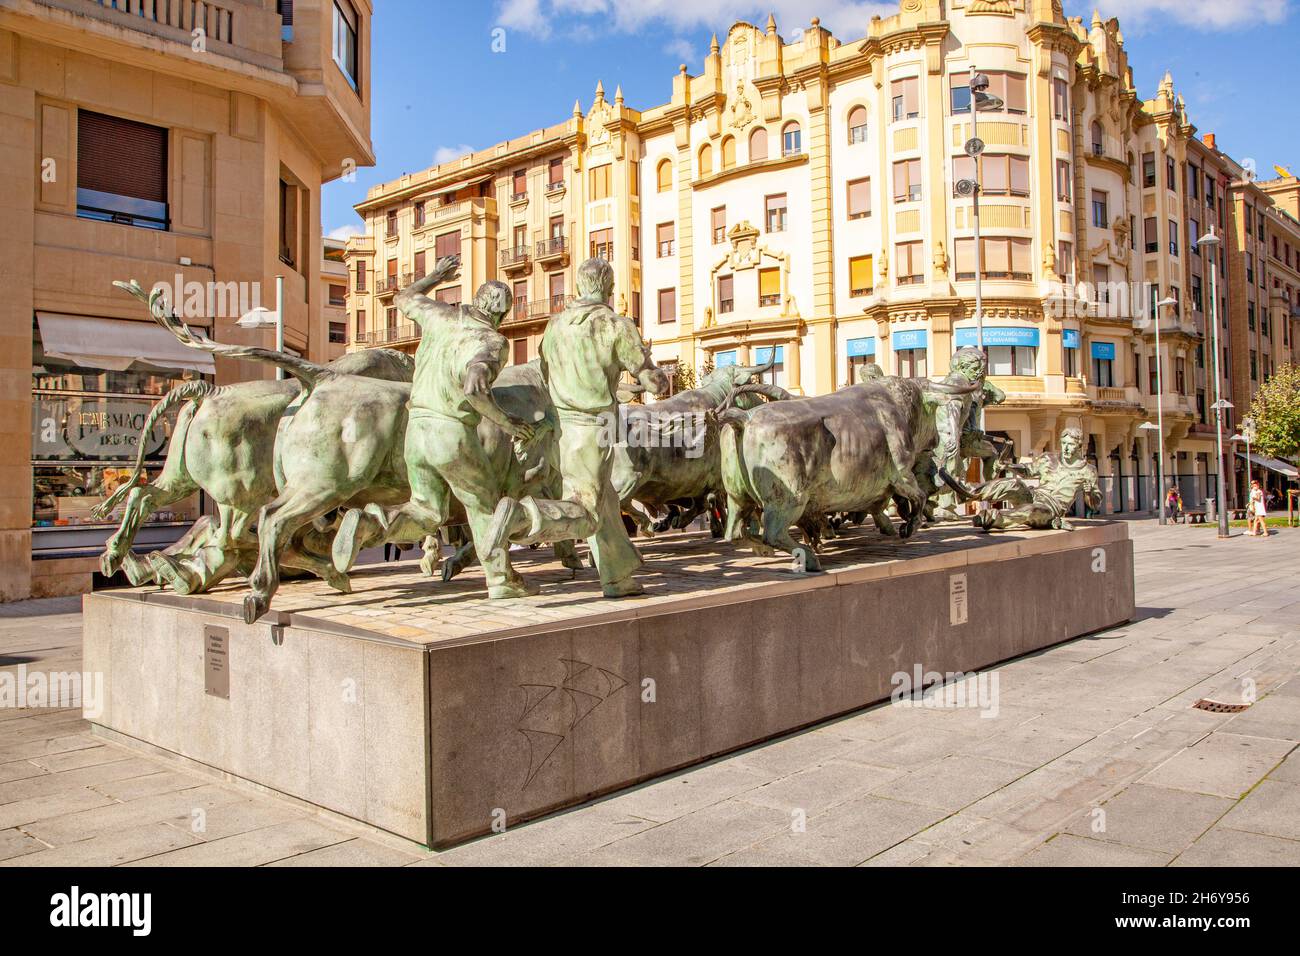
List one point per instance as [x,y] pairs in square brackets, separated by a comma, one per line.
[251,113]
[798,195]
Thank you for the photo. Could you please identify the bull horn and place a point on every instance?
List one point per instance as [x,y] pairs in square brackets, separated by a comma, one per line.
[756,370]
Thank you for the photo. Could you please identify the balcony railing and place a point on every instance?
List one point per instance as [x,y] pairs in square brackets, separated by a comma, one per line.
[406,332]
[538,308]
[552,187]
[215,20]
[386,285]
[552,248]
[515,257]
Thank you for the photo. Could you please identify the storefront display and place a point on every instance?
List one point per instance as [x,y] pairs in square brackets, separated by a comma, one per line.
[86,431]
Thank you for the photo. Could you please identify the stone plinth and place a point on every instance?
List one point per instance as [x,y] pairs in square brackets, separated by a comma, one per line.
[426,710]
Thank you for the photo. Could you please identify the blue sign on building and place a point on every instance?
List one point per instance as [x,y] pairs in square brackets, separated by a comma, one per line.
[723,359]
[998,335]
[1103,350]
[909,339]
[864,346]
[1070,338]
[764,355]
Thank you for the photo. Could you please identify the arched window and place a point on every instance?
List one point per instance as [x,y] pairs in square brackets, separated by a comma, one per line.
[758,144]
[858,124]
[706,160]
[728,152]
[791,139]
[1098,141]
[664,175]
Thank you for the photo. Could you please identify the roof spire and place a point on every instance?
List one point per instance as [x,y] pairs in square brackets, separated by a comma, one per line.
[600,91]
[618,95]
[771,24]
[713,44]
[1096,18]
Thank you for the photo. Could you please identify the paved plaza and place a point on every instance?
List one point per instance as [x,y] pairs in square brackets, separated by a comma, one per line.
[1089,753]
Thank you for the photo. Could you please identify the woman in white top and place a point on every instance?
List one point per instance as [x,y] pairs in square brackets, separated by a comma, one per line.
[1257,511]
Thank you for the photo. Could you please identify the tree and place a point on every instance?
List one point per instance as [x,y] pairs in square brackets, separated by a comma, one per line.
[1276,410]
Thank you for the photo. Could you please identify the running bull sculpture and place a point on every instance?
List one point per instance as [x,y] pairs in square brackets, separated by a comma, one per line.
[791,463]
[669,452]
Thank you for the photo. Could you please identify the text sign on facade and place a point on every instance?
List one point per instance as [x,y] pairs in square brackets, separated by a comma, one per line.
[957,599]
[216,661]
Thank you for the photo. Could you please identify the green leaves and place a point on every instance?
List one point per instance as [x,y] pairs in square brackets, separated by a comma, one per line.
[1276,410]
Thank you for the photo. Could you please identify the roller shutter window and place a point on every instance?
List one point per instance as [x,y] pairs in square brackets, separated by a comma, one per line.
[769,287]
[860,276]
[121,170]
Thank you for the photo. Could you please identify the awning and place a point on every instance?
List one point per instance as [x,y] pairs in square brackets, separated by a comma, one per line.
[1272,464]
[115,344]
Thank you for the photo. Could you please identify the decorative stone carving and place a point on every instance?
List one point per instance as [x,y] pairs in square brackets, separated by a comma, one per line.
[742,110]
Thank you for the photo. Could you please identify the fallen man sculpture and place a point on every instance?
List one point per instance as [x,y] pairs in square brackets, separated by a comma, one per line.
[1041,507]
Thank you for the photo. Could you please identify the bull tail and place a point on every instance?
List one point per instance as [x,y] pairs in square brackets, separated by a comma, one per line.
[959,489]
[309,373]
[737,418]
[194,391]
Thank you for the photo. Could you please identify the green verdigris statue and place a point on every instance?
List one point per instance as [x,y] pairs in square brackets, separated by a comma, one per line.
[970,363]
[459,357]
[585,350]
[1042,507]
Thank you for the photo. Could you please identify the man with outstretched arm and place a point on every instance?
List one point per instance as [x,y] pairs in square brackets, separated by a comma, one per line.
[460,354]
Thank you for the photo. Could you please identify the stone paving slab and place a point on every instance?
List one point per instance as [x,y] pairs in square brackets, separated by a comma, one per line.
[1105,723]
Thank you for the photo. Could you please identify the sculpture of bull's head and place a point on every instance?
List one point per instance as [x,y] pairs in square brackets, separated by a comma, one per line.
[949,403]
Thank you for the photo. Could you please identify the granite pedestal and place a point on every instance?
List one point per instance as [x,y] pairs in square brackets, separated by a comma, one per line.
[424,709]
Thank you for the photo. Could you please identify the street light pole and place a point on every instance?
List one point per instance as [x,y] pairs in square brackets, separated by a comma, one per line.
[1160,409]
[975,212]
[1211,241]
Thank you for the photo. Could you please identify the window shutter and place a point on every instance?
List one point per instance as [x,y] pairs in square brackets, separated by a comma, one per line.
[900,181]
[1016,93]
[769,282]
[860,197]
[1021,260]
[997,256]
[758,144]
[860,273]
[964,256]
[121,157]
[1019,174]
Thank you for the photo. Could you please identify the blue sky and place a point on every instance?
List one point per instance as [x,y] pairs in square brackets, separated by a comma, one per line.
[1230,60]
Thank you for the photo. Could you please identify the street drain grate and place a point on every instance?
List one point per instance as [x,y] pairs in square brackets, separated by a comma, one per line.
[1218,707]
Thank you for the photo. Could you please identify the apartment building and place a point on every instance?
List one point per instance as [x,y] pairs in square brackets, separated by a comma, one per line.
[334,298]
[796,201]
[173,143]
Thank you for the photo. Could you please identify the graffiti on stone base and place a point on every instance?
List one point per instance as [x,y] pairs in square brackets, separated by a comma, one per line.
[552,711]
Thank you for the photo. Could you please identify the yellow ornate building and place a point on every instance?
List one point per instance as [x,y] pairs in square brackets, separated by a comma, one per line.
[796,200]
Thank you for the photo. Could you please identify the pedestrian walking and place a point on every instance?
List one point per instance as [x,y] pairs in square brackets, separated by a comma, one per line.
[1258,510]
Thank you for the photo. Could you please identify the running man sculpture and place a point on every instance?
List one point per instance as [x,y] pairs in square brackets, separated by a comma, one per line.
[585,350]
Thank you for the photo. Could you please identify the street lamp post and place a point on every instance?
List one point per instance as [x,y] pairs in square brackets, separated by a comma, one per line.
[1211,242]
[979,100]
[1160,406]
[260,318]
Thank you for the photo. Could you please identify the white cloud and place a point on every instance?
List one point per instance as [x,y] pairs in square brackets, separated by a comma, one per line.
[1208,15]
[445,154]
[848,19]
[680,49]
[344,233]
